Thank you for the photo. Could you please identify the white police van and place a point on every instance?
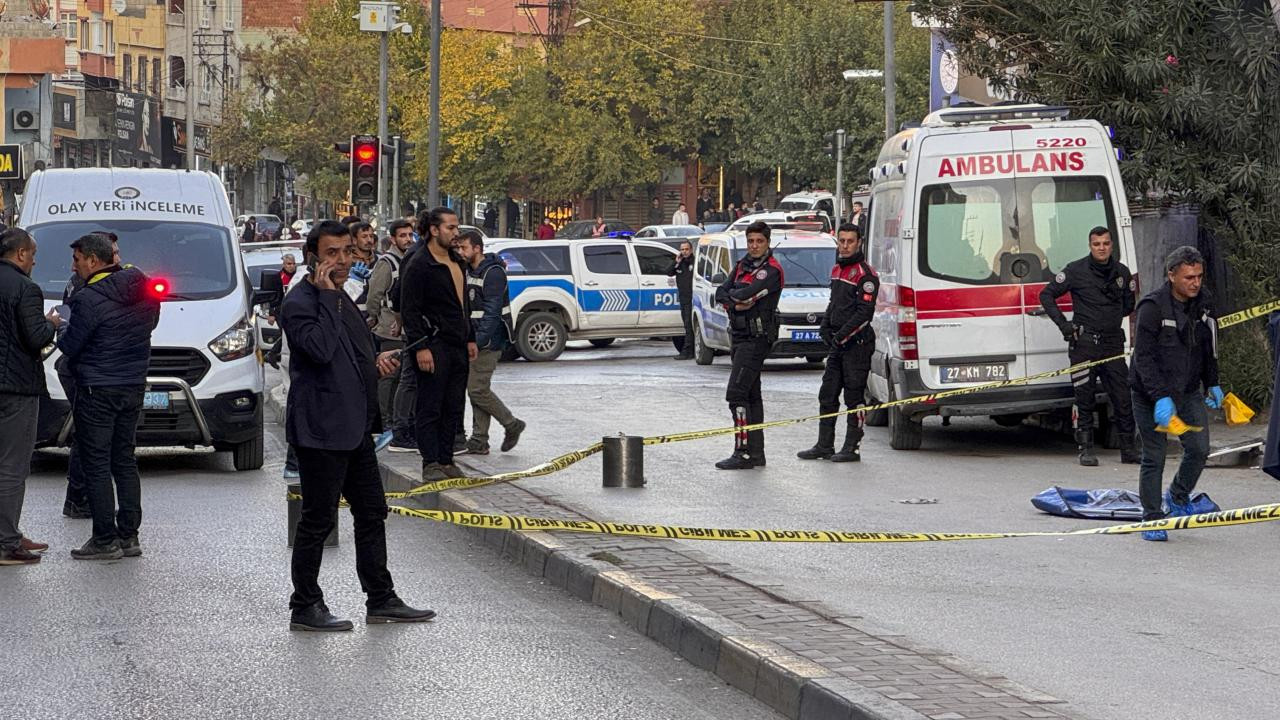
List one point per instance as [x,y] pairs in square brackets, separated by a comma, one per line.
[205,380]
[972,214]
[595,289]
[806,257]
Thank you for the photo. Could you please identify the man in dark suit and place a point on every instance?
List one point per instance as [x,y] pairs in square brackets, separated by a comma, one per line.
[331,413]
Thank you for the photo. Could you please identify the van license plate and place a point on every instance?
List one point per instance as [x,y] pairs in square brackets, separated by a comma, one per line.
[155,401]
[806,335]
[971,373]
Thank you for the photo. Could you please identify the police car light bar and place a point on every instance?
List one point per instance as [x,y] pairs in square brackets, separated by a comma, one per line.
[998,114]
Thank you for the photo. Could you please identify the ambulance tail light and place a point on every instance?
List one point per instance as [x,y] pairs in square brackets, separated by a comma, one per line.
[907,323]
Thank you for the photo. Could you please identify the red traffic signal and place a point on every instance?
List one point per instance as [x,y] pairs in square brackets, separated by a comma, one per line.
[366,155]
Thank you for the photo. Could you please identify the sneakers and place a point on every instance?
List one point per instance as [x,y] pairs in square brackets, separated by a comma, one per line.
[92,551]
[30,545]
[452,471]
[1155,535]
[738,461]
[395,611]
[18,556]
[382,440]
[130,547]
[513,435]
[432,472]
[403,444]
[477,447]
[317,618]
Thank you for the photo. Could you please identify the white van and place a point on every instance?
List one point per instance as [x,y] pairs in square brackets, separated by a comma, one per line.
[806,258]
[816,201]
[972,214]
[205,382]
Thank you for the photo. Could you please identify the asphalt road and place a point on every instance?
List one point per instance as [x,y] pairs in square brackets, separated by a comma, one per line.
[1119,627]
[197,627]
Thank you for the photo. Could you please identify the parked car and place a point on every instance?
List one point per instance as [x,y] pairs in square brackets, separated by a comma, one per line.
[578,229]
[268,257]
[819,201]
[268,228]
[670,235]
[596,289]
[793,219]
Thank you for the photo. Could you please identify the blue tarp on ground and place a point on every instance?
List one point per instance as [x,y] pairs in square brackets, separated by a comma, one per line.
[1103,504]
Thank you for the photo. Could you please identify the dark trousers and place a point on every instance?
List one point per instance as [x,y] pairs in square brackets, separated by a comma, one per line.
[743,392]
[405,398]
[387,386]
[77,488]
[1115,379]
[845,373]
[18,415]
[686,317]
[326,475]
[442,396]
[106,425]
[1195,451]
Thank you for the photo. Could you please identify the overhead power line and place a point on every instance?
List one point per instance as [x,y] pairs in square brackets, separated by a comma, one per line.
[597,16]
[669,56]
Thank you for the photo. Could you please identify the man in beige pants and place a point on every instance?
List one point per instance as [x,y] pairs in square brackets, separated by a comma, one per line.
[491,317]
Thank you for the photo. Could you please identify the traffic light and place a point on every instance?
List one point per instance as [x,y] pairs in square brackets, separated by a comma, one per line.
[366,157]
[829,149]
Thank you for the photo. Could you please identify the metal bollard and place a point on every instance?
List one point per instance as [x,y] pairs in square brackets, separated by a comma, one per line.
[623,461]
[295,514]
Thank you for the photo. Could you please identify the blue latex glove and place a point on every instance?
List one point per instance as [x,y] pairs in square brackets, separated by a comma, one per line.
[1164,411]
[361,271]
[1214,399]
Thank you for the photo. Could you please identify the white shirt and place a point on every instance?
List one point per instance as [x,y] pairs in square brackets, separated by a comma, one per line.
[680,217]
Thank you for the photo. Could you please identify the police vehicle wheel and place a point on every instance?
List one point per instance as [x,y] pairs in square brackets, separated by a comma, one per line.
[606,342]
[702,354]
[904,433]
[876,418]
[541,337]
[818,358]
[248,455]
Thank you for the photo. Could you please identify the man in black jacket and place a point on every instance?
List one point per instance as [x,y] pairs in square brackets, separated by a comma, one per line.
[846,329]
[750,296]
[682,270]
[1175,353]
[1102,296]
[24,332]
[108,349]
[331,412]
[491,319]
[438,333]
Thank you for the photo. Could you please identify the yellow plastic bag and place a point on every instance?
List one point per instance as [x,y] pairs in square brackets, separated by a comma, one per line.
[1177,427]
[1235,411]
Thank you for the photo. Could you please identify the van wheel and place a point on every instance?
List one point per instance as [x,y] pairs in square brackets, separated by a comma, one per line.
[248,455]
[541,336]
[602,342]
[904,432]
[875,418]
[702,354]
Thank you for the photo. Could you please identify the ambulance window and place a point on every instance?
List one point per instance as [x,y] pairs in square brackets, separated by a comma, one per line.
[1065,210]
[963,228]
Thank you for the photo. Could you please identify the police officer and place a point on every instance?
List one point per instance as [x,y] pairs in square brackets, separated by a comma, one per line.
[750,296]
[1102,296]
[682,270]
[846,329]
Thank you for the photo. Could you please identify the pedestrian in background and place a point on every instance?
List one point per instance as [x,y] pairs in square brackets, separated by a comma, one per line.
[250,230]
[288,268]
[600,229]
[655,212]
[25,330]
[108,349]
[331,412]
[750,297]
[682,270]
[680,216]
[364,240]
[1102,295]
[546,230]
[437,329]
[1175,354]
[383,320]
[859,218]
[490,305]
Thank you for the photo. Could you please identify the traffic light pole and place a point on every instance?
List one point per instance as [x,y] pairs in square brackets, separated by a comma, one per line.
[839,204]
[433,132]
[395,181]
[381,212]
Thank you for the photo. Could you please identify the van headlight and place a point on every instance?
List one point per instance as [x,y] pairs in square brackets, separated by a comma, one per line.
[234,343]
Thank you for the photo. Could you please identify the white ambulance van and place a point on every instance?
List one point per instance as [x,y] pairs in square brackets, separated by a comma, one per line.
[972,214]
[205,381]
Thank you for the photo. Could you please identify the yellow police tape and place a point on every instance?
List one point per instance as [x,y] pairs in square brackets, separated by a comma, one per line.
[1222,518]
[571,458]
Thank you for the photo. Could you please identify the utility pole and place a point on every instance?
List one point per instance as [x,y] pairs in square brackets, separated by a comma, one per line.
[189,83]
[385,38]
[433,132]
[839,204]
[890,121]
[395,180]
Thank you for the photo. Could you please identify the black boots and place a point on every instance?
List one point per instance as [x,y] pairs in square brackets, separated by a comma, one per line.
[1130,453]
[317,618]
[825,447]
[852,440]
[748,448]
[1084,440]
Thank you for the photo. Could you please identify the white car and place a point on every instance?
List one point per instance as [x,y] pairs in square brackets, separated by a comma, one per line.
[819,201]
[671,235]
[794,219]
[268,257]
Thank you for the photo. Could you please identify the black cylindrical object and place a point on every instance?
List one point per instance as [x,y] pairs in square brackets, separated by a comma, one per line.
[623,461]
[293,497]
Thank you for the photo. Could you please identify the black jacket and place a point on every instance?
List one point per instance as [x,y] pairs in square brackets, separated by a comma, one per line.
[682,270]
[490,303]
[758,284]
[854,288]
[333,389]
[430,309]
[108,336]
[1102,296]
[1175,350]
[24,332]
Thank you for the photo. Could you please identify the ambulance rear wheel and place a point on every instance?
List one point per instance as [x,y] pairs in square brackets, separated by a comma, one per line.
[905,433]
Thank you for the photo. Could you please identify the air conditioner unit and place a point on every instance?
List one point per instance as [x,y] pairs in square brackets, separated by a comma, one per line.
[24,119]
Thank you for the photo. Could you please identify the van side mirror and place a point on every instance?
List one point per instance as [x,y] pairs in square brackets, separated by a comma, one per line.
[271,288]
[719,278]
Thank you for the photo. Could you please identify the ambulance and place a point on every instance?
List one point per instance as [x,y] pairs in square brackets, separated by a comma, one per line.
[204,385]
[972,214]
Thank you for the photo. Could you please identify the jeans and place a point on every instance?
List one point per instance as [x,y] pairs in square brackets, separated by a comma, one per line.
[387,386]
[484,403]
[18,415]
[1195,451]
[325,476]
[106,425]
[77,487]
[442,397]
[406,398]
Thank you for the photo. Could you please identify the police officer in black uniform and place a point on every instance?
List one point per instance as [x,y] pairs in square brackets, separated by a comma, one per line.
[682,270]
[750,295]
[846,329]
[1102,296]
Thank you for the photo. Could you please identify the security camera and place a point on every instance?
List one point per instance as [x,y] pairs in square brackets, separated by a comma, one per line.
[405,28]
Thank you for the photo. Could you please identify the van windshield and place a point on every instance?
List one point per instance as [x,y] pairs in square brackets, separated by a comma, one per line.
[795,205]
[194,258]
[802,267]
[1008,231]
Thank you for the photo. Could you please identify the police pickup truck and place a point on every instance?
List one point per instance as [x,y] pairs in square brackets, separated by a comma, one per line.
[595,289]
